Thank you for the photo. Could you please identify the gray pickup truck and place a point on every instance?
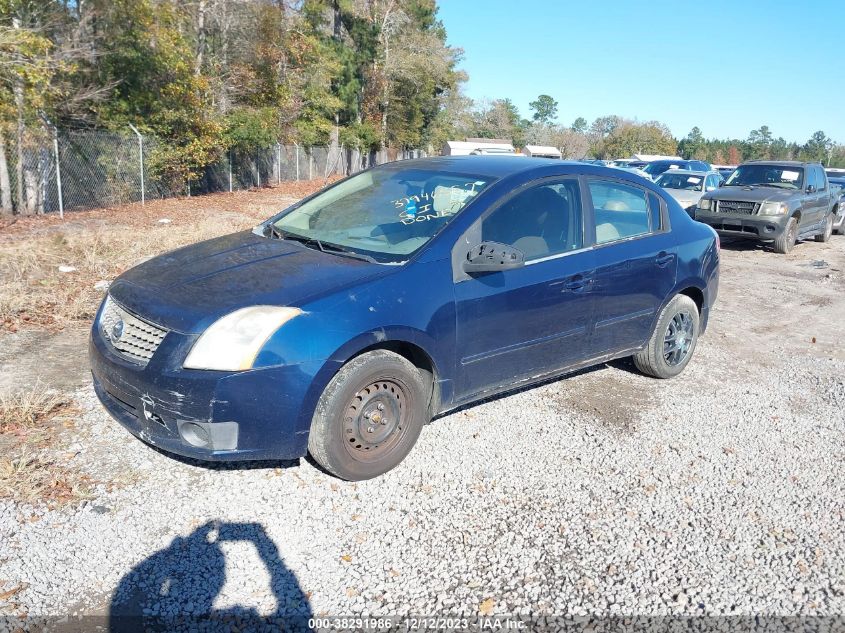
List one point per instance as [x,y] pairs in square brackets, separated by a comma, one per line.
[776,201]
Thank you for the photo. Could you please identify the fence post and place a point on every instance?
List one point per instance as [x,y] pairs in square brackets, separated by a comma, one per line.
[230,171]
[311,164]
[141,156]
[279,163]
[58,172]
[297,160]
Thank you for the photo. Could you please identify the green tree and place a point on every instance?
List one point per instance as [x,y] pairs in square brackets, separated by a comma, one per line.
[579,125]
[544,109]
[818,148]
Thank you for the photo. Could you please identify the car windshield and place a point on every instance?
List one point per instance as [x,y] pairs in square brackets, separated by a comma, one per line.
[690,182]
[384,214]
[781,176]
[657,168]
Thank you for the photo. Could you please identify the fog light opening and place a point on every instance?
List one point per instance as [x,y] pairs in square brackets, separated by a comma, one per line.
[195,434]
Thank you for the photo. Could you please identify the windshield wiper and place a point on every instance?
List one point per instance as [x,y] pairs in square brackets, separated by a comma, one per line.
[275,232]
[346,252]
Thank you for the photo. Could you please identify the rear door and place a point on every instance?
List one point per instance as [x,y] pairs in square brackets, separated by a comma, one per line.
[636,263]
[531,320]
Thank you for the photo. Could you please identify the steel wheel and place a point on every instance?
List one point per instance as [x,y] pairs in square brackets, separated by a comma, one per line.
[375,420]
[678,338]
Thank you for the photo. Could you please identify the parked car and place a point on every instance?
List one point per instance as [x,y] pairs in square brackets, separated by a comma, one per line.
[343,324]
[657,167]
[627,162]
[776,201]
[837,179]
[634,170]
[687,186]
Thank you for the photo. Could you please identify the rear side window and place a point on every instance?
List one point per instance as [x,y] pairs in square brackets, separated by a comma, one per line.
[621,211]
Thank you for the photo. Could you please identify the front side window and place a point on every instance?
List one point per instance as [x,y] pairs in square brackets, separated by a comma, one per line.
[782,177]
[385,213]
[621,211]
[541,221]
[821,183]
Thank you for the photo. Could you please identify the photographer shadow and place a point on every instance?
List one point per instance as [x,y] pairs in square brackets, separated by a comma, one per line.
[175,588]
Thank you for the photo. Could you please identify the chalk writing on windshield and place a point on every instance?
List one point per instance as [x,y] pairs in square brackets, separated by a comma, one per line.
[439,202]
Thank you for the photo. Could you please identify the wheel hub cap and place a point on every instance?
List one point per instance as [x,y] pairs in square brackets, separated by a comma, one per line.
[678,338]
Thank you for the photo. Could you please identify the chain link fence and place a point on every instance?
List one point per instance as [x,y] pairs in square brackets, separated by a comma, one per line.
[65,170]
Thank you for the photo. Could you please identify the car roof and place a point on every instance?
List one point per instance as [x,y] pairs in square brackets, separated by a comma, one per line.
[690,172]
[498,166]
[791,163]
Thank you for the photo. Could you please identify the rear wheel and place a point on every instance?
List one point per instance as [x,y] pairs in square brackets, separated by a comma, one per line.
[786,240]
[673,341]
[369,416]
[824,236]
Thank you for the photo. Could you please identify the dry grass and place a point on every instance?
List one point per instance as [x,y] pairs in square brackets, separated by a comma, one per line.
[30,409]
[30,478]
[101,244]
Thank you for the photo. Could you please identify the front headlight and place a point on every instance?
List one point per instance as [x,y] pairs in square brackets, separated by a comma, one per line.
[232,342]
[704,204]
[773,208]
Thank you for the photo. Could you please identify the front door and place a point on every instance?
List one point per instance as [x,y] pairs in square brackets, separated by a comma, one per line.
[528,321]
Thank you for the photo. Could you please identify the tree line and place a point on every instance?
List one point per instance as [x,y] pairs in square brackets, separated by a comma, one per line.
[212,76]
[612,136]
[207,77]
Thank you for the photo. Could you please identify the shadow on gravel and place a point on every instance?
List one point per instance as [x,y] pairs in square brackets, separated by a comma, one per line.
[175,588]
[220,466]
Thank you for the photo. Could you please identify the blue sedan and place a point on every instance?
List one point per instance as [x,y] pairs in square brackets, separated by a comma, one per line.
[342,325]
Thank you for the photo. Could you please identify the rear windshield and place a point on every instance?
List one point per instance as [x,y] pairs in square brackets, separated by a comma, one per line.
[689,182]
[783,177]
[384,213]
[658,167]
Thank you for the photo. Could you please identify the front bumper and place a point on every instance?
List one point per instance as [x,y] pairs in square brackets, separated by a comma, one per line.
[759,227]
[249,415]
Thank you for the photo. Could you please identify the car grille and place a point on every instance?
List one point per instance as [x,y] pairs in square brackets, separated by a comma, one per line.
[737,206]
[136,339]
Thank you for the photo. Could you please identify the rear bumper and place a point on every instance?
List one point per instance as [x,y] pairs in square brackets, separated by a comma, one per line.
[748,226]
[206,415]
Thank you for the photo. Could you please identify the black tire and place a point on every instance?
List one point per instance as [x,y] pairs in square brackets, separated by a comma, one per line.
[786,240]
[369,416]
[660,358]
[824,236]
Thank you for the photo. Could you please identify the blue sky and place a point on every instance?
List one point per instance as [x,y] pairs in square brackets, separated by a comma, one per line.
[727,67]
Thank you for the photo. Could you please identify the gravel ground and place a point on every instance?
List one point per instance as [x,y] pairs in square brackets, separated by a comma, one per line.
[720,492]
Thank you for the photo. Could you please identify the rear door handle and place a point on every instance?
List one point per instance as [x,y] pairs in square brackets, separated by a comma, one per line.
[576,283]
[664,258]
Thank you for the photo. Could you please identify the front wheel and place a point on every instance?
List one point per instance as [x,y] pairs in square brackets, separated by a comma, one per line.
[786,240]
[672,343]
[824,236]
[369,416]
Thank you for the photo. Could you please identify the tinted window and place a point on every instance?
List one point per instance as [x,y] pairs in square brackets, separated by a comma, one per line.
[812,178]
[822,183]
[620,211]
[659,166]
[690,182]
[542,221]
[656,215]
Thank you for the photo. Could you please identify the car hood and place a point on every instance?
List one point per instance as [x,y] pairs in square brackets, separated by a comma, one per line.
[684,197]
[754,194]
[188,289]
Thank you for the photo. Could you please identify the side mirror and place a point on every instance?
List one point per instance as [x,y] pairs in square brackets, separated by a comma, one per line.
[811,189]
[490,257]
